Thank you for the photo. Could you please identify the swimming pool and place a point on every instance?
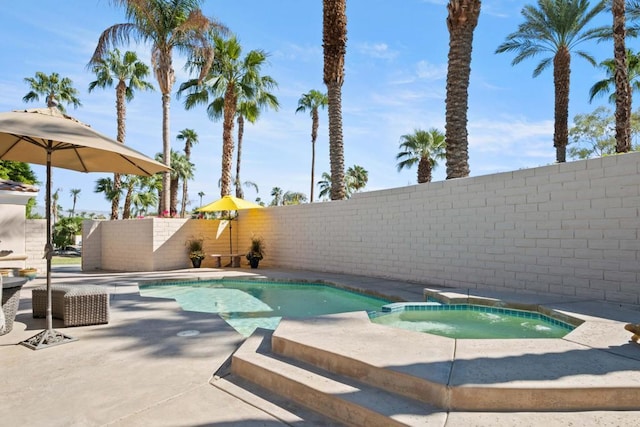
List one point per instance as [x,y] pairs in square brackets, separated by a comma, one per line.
[471,321]
[248,304]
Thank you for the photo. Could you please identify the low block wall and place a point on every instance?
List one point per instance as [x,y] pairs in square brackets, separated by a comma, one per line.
[151,244]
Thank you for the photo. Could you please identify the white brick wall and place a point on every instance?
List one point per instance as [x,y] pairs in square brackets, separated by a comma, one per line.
[569,229]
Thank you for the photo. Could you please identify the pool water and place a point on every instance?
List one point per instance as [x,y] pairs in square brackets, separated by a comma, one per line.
[474,321]
[247,305]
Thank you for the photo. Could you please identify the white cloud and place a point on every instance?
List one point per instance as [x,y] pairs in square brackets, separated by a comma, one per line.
[377,50]
[427,71]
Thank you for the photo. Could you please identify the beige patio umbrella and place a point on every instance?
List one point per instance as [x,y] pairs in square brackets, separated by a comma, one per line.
[48,137]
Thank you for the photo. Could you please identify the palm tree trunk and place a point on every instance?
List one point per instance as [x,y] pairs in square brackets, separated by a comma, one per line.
[166,153]
[227,140]
[173,205]
[623,89]
[334,41]
[126,209]
[424,170]
[115,202]
[183,207]
[561,80]
[461,21]
[121,110]
[185,185]
[336,144]
[239,192]
[315,121]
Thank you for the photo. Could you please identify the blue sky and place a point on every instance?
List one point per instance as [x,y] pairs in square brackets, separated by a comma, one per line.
[395,81]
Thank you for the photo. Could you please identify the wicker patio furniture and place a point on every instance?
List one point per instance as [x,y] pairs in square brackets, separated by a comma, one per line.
[76,305]
[11,287]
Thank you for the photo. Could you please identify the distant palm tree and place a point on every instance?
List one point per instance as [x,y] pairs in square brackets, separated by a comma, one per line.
[166,26]
[424,148]
[142,193]
[312,101]
[276,192]
[357,178]
[190,137]
[231,79]
[106,186]
[56,90]
[554,27]
[251,102]
[461,20]
[293,198]
[55,207]
[334,43]
[130,74]
[181,169]
[325,186]
[74,193]
[201,194]
[606,86]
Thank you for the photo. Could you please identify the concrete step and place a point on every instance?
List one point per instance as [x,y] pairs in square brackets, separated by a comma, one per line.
[464,375]
[338,398]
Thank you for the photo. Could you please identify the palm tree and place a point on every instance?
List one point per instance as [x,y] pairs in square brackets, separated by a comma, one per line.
[357,178]
[325,186]
[141,193]
[252,100]
[190,137]
[74,193]
[312,101]
[201,194]
[293,198]
[461,21]
[55,208]
[130,74]
[56,90]
[623,87]
[276,192]
[181,169]
[230,79]
[106,186]
[334,42]
[424,148]
[555,27]
[166,25]
[606,86]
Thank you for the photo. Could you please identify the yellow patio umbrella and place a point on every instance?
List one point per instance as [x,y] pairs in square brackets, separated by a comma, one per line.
[229,203]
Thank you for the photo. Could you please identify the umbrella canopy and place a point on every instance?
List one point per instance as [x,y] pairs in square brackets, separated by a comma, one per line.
[229,203]
[29,135]
[46,136]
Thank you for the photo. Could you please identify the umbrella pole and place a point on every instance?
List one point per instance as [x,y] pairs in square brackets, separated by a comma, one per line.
[230,242]
[49,336]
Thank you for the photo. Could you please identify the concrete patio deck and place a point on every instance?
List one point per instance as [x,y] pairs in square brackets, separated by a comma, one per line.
[138,369]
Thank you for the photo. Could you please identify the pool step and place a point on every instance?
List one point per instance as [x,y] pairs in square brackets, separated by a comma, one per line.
[338,398]
[455,375]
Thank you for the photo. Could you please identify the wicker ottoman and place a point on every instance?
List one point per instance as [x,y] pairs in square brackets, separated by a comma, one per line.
[11,287]
[76,305]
